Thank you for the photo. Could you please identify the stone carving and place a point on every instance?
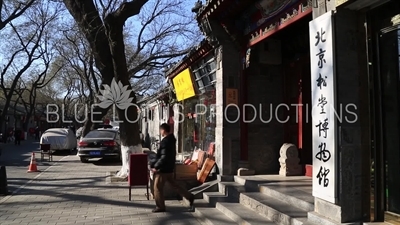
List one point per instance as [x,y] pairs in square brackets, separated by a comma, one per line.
[289,161]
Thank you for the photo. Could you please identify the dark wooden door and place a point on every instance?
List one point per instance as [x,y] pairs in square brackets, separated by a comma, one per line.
[297,95]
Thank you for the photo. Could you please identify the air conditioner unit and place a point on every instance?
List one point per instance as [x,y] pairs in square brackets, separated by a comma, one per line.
[270,52]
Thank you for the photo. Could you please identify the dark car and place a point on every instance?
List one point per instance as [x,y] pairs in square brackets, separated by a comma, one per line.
[105,126]
[100,143]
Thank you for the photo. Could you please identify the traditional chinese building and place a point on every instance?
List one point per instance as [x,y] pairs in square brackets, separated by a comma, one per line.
[194,81]
[366,71]
[322,75]
[155,110]
[269,41]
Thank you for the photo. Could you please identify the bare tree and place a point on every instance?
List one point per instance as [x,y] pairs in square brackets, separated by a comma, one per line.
[102,22]
[28,93]
[81,78]
[12,9]
[81,72]
[29,42]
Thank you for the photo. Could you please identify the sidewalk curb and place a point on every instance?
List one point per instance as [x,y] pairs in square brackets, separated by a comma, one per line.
[30,181]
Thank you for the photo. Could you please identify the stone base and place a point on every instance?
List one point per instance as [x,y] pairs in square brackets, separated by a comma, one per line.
[291,172]
[111,178]
[329,214]
[245,172]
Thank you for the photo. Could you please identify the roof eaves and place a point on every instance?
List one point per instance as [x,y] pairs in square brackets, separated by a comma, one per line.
[148,99]
[203,48]
[207,8]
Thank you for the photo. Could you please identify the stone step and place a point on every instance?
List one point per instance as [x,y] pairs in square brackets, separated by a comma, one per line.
[210,186]
[290,194]
[276,210]
[209,215]
[214,197]
[316,218]
[242,215]
[231,189]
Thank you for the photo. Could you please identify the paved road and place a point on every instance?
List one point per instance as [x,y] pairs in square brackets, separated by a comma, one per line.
[70,192]
[17,159]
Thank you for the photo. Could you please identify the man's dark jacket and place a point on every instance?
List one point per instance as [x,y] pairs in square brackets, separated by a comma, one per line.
[166,155]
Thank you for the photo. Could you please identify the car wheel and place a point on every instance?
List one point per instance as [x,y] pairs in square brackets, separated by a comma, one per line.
[84,160]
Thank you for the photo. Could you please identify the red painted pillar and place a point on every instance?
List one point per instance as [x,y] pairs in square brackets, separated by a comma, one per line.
[244,154]
[300,119]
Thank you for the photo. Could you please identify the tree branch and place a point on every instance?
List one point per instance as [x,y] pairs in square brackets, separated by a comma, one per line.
[18,11]
[128,9]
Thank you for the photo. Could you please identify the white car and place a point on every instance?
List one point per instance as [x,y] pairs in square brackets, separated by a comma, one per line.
[60,139]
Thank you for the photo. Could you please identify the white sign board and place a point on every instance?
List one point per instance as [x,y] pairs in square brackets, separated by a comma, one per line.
[323,108]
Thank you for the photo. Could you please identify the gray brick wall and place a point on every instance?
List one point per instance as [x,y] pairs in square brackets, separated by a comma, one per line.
[227,138]
[352,88]
[348,86]
[264,85]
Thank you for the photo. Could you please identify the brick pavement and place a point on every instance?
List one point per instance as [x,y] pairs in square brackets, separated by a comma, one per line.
[17,158]
[70,192]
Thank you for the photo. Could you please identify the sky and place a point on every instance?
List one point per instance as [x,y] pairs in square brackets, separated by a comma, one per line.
[132,24]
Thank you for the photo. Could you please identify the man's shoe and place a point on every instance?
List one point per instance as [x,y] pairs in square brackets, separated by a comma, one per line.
[156,210]
[191,200]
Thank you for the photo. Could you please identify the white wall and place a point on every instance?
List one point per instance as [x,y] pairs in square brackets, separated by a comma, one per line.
[154,123]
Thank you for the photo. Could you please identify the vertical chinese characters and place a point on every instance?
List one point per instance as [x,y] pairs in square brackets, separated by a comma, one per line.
[323,154]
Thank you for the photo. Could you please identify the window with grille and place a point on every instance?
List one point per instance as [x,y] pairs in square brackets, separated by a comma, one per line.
[205,73]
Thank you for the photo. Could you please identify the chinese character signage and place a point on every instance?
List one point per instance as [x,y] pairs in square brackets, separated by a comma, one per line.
[183,85]
[232,96]
[323,108]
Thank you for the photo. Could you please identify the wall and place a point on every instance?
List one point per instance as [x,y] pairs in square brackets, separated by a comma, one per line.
[227,134]
[265,84]
[352,88]
[177,117]
[151,125]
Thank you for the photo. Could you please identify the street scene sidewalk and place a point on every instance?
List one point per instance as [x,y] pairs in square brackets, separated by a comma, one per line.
[16,158]
[70,192]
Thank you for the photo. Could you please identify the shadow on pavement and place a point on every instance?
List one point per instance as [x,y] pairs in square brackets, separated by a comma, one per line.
[106,162]
[86,191]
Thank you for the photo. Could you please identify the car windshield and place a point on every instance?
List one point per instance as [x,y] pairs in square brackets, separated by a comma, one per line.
[101,134]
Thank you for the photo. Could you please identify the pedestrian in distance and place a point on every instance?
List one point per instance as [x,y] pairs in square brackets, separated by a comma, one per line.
[17,136]
[163,168]
[37,131]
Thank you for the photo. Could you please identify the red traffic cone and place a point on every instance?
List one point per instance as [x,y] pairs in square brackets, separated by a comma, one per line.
[32,165]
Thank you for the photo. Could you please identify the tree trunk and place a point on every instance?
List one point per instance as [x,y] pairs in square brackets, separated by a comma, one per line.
[4,113]
[25,125]
[90,24]
[129,127]
[111,61]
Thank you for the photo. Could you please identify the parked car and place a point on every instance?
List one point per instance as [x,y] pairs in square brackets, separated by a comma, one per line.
[99,126]
[60,139]
[100,143]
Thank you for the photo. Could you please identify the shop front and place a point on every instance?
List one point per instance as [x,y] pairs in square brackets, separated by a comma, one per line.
[195,93]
